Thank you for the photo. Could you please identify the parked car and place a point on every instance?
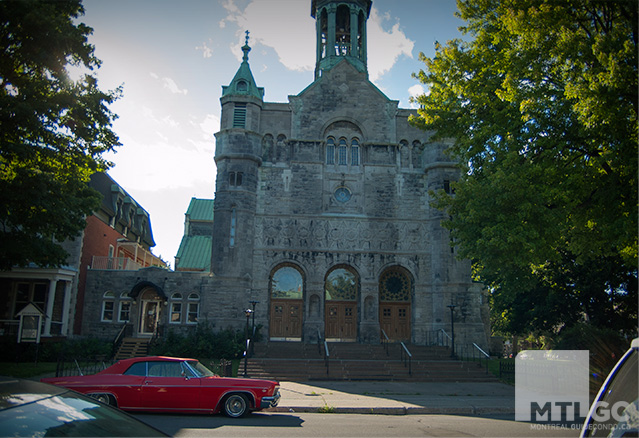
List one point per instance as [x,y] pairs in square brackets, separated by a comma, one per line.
[29,408]
[615,411]
[170,384]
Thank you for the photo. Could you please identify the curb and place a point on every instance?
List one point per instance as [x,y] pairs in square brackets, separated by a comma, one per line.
[468,411]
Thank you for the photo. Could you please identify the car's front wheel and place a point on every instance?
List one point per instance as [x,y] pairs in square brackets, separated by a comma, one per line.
[236,406]
[107,399]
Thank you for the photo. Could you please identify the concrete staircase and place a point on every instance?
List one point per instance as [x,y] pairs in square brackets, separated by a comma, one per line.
[132,347]
[294,361]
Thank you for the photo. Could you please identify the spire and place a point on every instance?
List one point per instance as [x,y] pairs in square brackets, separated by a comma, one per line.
[243,83]
[246,48]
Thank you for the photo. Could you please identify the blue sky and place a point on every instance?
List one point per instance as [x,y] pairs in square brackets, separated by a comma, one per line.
[172,58]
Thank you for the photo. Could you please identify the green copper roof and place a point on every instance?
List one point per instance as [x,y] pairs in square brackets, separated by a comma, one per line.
[200,209]
[194,254]
[243,84]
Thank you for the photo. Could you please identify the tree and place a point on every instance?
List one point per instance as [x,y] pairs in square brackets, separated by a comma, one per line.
[542,103]
[53,130]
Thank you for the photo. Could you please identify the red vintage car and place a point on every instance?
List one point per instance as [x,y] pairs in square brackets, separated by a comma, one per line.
[170,384]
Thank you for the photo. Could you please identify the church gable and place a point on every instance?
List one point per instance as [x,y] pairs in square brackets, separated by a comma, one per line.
[343,94]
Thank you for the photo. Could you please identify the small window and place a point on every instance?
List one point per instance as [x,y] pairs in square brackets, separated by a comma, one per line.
[235,179]
[193,314]
[124,314]
[354,152]
[108,306]
[330,151]
[176,308]
[232,232]
[341,152]
[242,86]
[194,309]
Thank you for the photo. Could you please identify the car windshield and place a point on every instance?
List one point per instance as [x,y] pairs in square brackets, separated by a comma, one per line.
[622,397]
[199,369]
[69,414]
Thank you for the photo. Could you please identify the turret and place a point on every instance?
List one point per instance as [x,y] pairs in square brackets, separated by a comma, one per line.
[341,33]
[237,157]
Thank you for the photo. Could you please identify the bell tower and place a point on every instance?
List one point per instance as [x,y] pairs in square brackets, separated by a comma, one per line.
[341,33]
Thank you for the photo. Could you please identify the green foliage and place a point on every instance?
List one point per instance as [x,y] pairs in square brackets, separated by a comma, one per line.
[542,104]
[202,342]
[87,348]
[53,129]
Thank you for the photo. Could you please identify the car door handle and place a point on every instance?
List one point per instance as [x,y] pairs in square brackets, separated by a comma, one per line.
[148,381]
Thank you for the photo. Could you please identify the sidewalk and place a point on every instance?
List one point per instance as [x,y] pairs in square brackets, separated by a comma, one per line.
[397,398]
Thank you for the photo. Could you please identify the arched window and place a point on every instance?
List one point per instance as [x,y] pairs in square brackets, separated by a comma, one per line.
[354,152]
[341,285]
[124,314]
[242,86]
[330,151]
[341,152]
[176,308]
[193,312]
[108,305]
[287,283]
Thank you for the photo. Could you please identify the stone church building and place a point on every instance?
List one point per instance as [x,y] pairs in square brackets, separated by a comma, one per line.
[321,216]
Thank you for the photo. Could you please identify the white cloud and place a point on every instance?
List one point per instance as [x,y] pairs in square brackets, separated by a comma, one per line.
[415,91]
[389,46]
[172,86]
[276,24]
[207,52]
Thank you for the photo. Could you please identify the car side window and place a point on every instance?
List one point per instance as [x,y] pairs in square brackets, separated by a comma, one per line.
[165,369]
[137,369]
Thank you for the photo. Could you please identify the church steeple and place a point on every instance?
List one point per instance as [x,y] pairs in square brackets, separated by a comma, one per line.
[341,32]
[243,83]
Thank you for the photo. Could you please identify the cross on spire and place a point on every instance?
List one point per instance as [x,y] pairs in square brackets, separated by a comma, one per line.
[246,49]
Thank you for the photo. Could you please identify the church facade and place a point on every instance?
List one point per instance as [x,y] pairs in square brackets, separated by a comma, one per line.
[321,218]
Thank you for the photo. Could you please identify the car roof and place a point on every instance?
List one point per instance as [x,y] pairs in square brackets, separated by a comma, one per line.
[123,364]
[16,392]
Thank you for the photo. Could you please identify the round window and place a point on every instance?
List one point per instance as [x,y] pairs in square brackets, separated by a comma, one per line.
[342,194]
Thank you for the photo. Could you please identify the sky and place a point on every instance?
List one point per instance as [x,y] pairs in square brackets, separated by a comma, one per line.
[173,57]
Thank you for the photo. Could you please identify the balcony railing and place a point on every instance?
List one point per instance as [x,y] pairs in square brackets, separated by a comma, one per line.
[114,263]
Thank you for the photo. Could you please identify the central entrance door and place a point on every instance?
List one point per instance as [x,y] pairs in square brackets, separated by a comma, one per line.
[341,320]
[287,304]
[341,292]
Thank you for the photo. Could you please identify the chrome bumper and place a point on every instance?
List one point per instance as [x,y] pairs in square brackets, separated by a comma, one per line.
[271,402]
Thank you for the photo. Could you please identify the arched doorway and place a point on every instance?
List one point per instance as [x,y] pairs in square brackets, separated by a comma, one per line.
[287,299]
[395,290]
[341,291]
[150,307]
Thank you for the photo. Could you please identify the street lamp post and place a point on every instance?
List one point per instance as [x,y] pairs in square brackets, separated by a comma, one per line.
[451,306]
[253,303]
[248,313]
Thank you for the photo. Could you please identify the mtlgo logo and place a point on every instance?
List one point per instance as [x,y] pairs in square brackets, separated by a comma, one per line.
[551,386]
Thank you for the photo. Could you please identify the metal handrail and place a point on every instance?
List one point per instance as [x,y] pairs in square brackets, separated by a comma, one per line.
[446,334]
[481,351]
[406,357]
[385,342]
[327,356]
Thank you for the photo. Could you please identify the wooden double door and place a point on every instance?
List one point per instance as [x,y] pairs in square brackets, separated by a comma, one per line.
[341,320]
[394,319]
[286,319]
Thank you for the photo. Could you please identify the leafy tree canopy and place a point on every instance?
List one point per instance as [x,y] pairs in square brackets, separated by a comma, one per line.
[542,103]
[53,129]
